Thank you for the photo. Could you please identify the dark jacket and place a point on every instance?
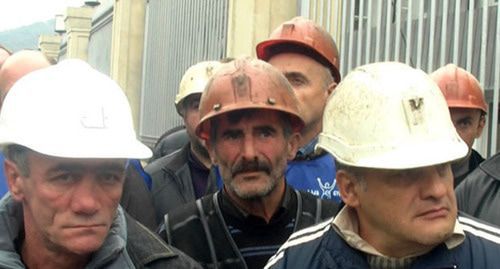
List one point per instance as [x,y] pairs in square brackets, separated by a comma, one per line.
[479,194]
[474,160]
[200,230]
[321,247]
[136,198]
[172,182]
[128,245]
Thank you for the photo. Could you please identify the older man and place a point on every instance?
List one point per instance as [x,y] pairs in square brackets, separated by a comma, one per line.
[62,210]
[307,56]
[390,131]
[250,120]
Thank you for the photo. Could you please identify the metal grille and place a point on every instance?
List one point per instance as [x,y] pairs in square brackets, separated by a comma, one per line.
[178,35]
[425,34]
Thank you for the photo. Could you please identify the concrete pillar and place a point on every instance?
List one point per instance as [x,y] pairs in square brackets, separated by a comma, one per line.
[78,23]
[127,44]
[50,45]
[261,17]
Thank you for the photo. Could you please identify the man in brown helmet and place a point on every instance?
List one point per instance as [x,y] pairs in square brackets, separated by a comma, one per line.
[467,110]
[308,57]
[251,123]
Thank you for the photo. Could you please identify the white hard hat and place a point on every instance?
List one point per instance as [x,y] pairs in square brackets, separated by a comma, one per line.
[70,110]
[195,79]
[389,116]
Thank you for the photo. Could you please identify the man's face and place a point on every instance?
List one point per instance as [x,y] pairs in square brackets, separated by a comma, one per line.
[191,116]
[403,212]
[311,82]
[468,122]
[252,153]
[69,204]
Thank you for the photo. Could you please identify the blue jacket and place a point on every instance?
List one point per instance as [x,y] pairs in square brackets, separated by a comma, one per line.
[321,247]
[3,181]
[316,176]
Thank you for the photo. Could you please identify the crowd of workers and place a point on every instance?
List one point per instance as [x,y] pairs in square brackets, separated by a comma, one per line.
[281,163]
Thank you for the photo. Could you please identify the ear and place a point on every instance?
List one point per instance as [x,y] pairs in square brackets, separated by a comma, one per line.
[480,126]
[14,180]
[293,145]
[349,187]
[211,151]
[331,87]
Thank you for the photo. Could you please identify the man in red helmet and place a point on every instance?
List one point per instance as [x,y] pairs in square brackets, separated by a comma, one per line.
[308,57]
[250,121]
[468,112]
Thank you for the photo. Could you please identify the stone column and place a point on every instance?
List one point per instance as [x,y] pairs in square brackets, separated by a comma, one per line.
[260,18]
[127,50]
[50,45]
[78,23]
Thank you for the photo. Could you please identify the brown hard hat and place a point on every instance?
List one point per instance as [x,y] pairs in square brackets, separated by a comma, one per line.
[247,84]
[459,87]
[300,35]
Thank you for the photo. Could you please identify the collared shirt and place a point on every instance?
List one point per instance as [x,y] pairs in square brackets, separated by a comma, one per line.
[256,239]
[347,226]
[307,149]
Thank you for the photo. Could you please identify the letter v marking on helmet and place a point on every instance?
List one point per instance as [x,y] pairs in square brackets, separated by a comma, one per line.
[414,111]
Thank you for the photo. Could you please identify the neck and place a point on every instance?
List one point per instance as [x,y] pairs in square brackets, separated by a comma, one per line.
[309,133]
[263,207]
[203,158]
[460,167]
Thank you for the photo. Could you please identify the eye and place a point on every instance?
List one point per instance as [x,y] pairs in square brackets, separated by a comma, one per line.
[296,80]
[64,178]
[231,135]
[464,124]
[266,132]
[110,177]
[194,105]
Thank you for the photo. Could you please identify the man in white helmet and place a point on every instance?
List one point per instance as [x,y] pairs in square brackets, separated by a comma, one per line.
[185,175]
[390,131]
[67,132]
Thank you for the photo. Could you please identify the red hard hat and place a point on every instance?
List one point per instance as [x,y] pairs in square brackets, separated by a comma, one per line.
[247,84]
[459,87]
[302,36]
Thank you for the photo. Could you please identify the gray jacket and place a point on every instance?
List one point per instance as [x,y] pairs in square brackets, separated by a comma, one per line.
[128,245]
[479,193]
[172,182]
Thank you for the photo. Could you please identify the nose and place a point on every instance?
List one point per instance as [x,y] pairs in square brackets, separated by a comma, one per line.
[248,151]
[436,181]
[85,199]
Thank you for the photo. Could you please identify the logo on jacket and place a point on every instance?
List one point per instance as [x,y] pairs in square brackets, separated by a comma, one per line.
[327,188]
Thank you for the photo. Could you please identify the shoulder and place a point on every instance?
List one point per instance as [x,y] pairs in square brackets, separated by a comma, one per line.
[481,247]
[187,218]
[146,249]
[302,246]
[479,228]
[171,161]
[328,208]
[491,166]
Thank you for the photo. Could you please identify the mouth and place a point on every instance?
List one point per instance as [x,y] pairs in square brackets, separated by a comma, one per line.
[86,226]
[435,213]
[248,174]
